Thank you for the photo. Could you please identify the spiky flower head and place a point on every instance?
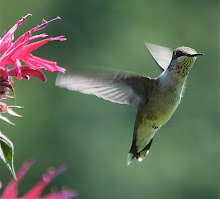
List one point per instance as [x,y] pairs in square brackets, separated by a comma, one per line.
[19,52]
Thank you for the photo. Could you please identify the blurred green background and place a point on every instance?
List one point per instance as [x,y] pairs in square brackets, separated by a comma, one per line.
[92,136]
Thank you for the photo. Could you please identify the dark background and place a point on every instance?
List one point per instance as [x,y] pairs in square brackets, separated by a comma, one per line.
[92,136]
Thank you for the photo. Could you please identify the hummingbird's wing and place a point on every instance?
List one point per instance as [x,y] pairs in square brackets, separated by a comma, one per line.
[118,87]
[161,54]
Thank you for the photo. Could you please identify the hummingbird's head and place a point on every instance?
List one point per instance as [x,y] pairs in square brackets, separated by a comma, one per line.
[182,60]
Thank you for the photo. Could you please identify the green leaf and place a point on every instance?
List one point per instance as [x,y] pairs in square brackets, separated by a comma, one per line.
[7,153]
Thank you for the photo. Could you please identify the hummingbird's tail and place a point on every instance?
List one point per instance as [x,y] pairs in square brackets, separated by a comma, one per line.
[138,155]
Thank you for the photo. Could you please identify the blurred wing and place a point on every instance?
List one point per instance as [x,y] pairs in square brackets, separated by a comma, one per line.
[116,87]
[161,54]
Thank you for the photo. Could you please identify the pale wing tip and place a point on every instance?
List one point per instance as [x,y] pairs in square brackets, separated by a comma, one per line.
[58,81]
[157,48]
[61,80]
[151,46]
[148,44]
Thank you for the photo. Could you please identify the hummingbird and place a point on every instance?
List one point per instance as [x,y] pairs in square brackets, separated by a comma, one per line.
[156,99]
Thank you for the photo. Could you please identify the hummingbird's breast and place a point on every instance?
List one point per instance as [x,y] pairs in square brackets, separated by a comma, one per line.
[162,103]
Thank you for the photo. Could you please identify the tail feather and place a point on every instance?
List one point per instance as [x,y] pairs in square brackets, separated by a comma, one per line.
[138,155]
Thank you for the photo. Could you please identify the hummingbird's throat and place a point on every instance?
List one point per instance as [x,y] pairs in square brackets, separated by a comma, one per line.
[184,64]
[186,61]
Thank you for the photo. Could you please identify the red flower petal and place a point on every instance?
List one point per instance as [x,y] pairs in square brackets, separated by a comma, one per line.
[33,46]
[38,62]
[27,71]
[36,191]
[5,42]
[11,189]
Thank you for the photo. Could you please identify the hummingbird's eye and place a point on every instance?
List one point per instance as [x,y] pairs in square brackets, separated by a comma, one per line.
[178,53]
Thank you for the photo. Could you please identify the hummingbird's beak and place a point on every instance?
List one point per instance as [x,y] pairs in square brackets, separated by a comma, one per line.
[196,54]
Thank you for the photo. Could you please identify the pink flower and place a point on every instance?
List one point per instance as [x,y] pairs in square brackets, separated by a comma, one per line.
[11,191]
[18,52]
